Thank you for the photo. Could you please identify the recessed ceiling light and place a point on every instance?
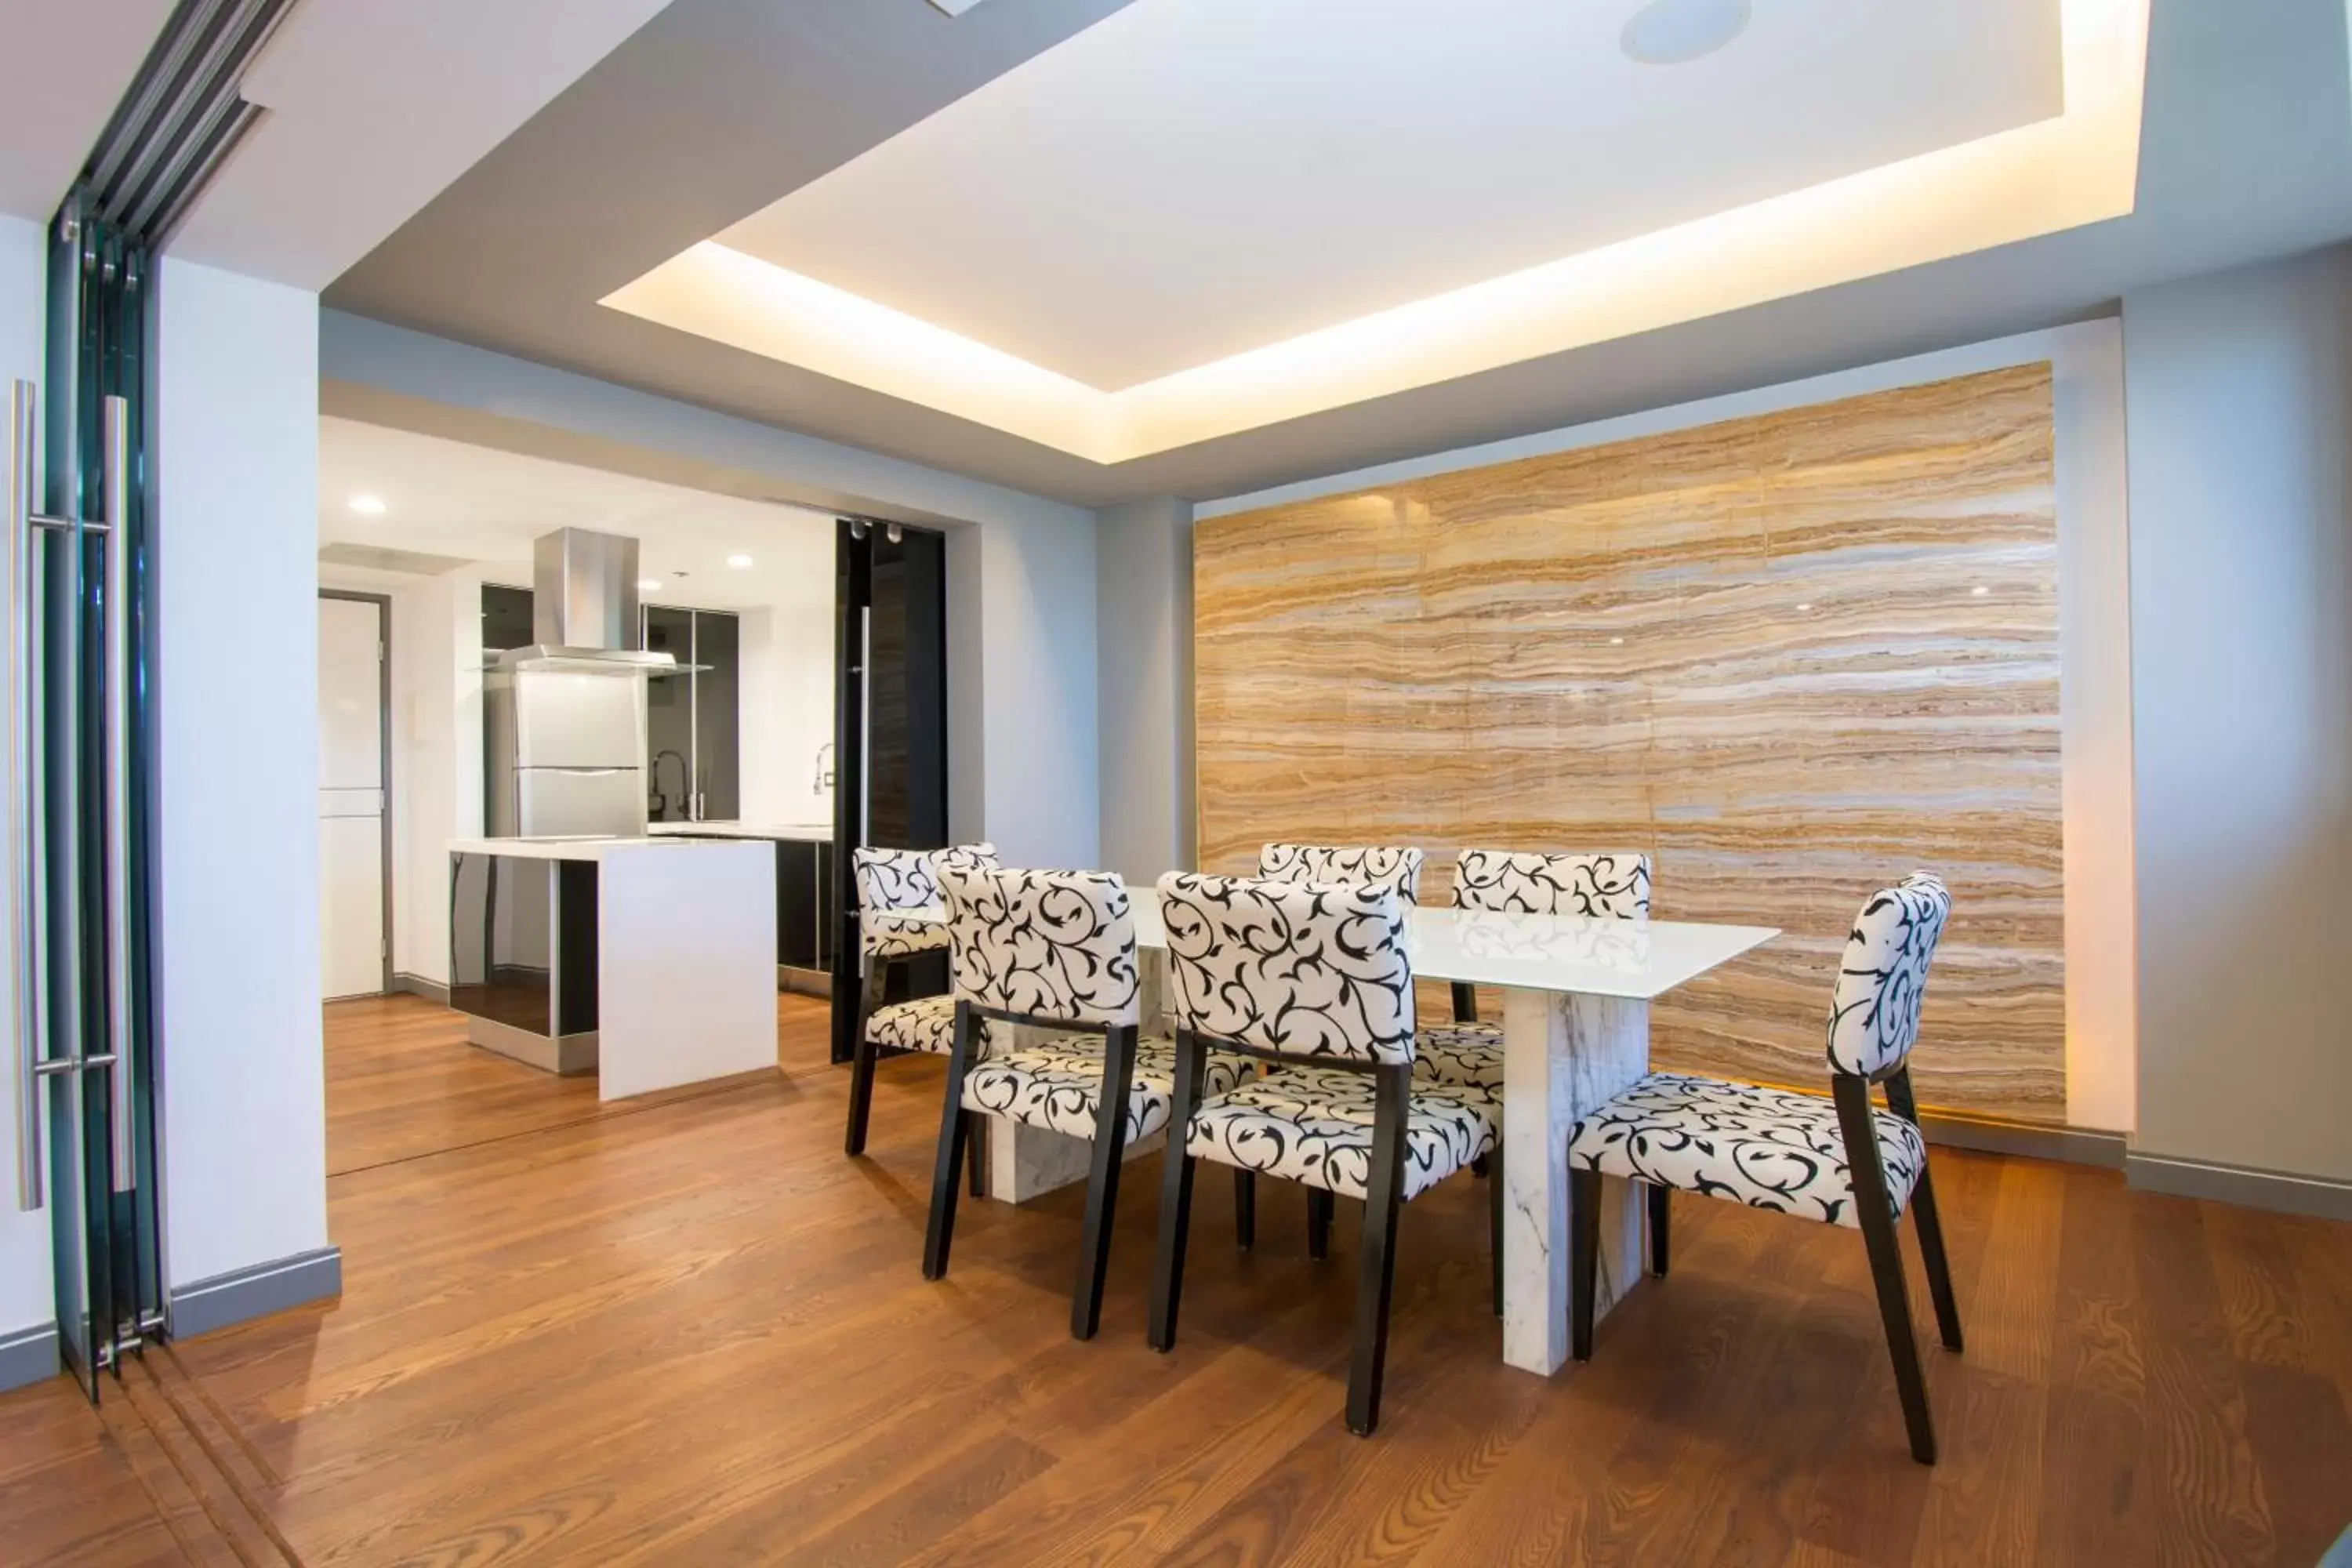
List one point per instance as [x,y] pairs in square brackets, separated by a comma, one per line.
[1801,608]
[369,506]
[1979,591]
[648,584]
[1616,642]
[1676,32]
[738,562]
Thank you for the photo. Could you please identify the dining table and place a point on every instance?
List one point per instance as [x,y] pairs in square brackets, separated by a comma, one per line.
[1576,993]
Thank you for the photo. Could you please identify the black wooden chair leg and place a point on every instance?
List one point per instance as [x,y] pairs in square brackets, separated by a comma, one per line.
[1376,1276]
[1102,1183]
[1876,1216]
[861,1095]
[1583,1258]
[863,1058]
[1318,1223]
[1175,1194]
[1931,1225]
[1465,1003]
[1662,1210]
[1494,1227]
[1482,1166]
[947,1171]
[976,1155]
[1244,1206]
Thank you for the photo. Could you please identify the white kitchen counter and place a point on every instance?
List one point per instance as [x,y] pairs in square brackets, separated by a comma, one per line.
[797,832]
[683,952]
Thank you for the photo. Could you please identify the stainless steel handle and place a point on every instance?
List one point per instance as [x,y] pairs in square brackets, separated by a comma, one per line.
[115,627]
[23,928]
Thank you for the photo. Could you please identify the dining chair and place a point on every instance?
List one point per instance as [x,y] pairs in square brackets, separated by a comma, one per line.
[1838,1159]
[1051,951]
[898,919]
[1315,980]
[1372,865]
[1615,887]
[1379,866]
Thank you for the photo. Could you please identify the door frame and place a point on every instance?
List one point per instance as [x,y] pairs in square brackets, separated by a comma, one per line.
[383,603]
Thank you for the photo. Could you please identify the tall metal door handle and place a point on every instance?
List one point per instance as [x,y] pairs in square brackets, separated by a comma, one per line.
[24,927]
[115,627]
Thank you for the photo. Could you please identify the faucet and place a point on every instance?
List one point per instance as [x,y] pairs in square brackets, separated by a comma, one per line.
[660,801]
[823,773]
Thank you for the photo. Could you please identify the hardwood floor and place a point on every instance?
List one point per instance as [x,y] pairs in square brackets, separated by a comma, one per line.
[694,1333]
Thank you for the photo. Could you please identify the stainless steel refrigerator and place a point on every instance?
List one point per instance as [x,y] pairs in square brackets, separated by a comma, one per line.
[567,750]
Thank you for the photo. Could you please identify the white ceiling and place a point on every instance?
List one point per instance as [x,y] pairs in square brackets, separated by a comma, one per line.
[373,108]
[64,65]
[1190,179]
[475,503]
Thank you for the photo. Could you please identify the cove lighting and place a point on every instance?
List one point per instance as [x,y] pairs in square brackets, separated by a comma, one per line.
[369,506]
[2075,168]
[740,563]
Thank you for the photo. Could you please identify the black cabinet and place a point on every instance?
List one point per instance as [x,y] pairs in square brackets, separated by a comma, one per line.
[693,744]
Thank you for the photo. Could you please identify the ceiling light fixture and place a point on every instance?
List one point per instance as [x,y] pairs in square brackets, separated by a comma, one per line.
[1677,32]
[1803,608]
[648,584]
[1979,592]
[740,563]
[369,506]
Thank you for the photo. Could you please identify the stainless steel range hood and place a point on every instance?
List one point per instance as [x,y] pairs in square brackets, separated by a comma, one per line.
[583,607]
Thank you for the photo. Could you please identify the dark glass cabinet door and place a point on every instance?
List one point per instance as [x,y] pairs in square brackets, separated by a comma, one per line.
[717,758]
[669,719]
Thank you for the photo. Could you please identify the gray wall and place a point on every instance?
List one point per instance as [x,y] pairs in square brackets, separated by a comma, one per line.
[2239,387]
[1144,595]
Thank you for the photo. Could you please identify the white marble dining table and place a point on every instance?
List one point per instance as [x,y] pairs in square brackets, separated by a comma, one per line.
[1576,1031]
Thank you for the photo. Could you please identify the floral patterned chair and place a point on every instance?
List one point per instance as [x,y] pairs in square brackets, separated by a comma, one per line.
[1838,1159]
[1314,978]
[1053,951]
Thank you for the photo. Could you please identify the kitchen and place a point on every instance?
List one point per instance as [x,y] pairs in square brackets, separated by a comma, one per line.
[691,635]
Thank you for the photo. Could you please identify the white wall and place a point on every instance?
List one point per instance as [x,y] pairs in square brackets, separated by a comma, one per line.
[2241,409]
[235,474]
[2096,651]
[1143,586]
[24,1296]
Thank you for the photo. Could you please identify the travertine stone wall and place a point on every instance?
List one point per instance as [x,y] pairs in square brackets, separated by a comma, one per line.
[1791,656]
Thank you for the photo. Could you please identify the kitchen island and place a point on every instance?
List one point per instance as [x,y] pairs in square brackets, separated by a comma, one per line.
[648,960]
[805,929]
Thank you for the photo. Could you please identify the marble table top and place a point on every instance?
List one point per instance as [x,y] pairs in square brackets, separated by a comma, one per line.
[1639,960]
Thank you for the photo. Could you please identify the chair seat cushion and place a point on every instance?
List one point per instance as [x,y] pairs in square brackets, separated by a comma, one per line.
[926,1024]
[1468,1054]
[1058,1085]
[895,933]
[1767,1148]
[1315,1125]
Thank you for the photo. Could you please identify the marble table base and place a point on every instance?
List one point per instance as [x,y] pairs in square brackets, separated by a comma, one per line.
[1563,1056]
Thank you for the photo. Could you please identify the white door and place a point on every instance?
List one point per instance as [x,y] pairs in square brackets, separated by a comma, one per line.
[350,796]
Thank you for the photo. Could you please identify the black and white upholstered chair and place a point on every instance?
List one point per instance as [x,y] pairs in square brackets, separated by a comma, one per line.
[1614,887]
[1378,866]
[1331,864]
[1054,950]
[898,918]
[1839,1160]
[1315,980]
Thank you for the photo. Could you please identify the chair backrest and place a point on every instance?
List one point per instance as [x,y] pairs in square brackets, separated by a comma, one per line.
[1611,886]
[1045,945]
[907,878]
[1332,865]
[1292,967]
[1874,1018]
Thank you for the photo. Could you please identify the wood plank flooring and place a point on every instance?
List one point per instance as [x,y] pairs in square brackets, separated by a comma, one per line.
[692,1332]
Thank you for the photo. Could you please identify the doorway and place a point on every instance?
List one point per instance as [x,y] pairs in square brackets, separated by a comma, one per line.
[355,793]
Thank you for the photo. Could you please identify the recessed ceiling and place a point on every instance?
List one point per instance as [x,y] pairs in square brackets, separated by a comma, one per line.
[458,503]
[1188,179]
[1201,216]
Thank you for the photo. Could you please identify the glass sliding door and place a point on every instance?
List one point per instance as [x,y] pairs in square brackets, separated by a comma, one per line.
[78,560]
